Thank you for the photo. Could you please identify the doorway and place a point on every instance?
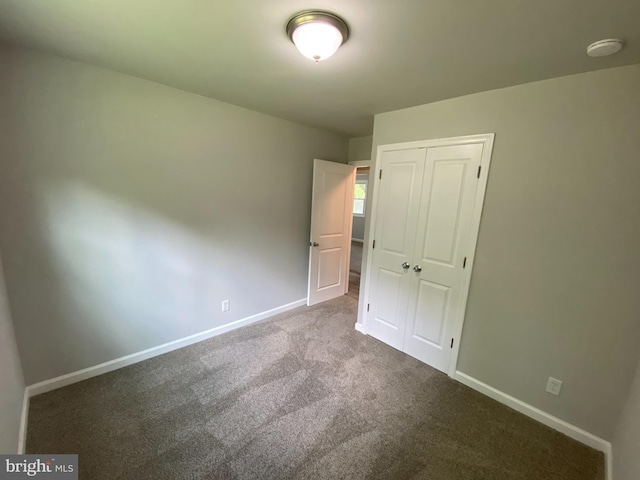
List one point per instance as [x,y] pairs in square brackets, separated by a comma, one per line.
[330,236]
[357,231]
[338,213]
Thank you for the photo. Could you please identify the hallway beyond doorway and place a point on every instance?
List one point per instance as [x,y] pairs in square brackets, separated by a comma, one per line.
[355,269]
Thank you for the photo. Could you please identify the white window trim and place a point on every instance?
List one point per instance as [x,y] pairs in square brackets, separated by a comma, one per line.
[363,181]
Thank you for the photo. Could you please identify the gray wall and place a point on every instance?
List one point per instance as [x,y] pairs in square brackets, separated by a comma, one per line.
[360,148]
[358,228]
[626,441]
[11,381]
[129,210]
[554,290]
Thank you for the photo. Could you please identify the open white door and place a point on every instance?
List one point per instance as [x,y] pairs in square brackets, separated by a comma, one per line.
[330,240]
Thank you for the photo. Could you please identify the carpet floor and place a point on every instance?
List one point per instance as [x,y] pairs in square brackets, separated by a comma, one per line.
[299,396]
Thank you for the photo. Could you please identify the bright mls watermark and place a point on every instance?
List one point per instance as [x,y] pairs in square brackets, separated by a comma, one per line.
[51,467]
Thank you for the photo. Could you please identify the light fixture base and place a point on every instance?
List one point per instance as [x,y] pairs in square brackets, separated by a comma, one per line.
[317,34]
[606,47]
[310,16]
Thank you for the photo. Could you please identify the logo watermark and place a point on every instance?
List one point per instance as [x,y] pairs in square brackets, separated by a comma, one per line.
[50,467]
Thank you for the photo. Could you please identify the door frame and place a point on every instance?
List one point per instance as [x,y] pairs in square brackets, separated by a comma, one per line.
[486,140]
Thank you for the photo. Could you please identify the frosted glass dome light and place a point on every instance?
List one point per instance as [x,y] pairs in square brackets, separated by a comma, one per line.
[317,35]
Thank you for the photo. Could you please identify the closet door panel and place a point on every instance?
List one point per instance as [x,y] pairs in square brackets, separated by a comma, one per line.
[399,194]
[442,239]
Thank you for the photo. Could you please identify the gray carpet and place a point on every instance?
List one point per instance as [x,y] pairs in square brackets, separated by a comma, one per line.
[299,396]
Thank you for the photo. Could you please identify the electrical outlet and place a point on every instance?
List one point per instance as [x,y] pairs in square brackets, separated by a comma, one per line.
[225,305]
[554,386]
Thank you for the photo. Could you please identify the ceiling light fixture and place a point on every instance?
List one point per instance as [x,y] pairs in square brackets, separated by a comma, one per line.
[606,47]
[317,35]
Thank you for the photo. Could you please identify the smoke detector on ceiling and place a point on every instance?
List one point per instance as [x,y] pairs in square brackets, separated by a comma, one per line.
[606,47]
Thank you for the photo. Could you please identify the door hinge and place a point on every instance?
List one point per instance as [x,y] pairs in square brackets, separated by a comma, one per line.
[452,343]
[464,262]
[479,168]
[374,244]
[368,305]
[380,176]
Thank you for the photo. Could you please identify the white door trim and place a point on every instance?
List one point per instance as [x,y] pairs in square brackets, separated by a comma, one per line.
[487,141]
[360,163]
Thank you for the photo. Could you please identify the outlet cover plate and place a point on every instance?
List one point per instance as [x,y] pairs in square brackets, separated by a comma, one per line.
[554,386]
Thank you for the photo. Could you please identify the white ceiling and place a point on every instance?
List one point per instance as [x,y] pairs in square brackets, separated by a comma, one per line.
[400,53]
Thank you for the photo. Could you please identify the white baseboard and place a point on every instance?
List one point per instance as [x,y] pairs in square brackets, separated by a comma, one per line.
[549,420]
[360,328]
[359,240]
[24,418]
[74,377]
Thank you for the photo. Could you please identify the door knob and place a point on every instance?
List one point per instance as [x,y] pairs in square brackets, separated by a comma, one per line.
[417,269]
[405,265]
[314,244]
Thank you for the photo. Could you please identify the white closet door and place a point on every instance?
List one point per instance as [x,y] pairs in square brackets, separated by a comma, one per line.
[443,239]
[395,232]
